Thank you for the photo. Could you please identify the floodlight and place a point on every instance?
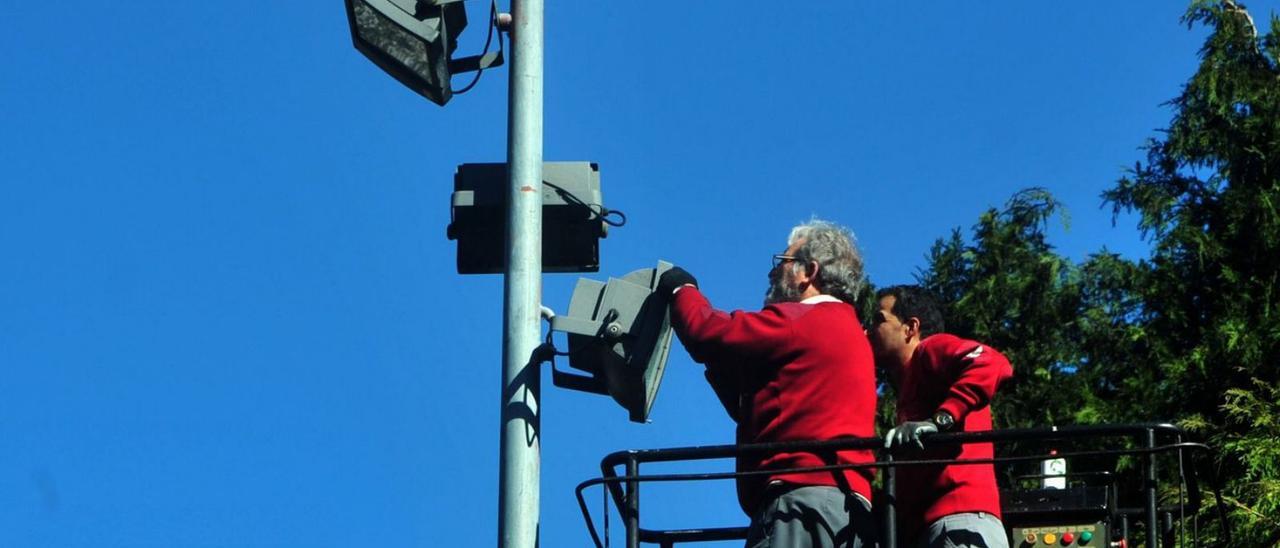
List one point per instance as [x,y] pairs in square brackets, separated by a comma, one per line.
[620,334]
[410,39]
[573,217]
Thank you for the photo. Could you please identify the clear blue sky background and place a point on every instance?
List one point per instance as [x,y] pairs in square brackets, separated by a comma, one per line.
[229,314]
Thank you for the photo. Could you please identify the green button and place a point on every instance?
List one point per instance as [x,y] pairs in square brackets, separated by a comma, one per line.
[1086,536]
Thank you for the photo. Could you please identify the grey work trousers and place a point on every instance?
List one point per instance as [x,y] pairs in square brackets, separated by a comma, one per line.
[812,516]
[967,530]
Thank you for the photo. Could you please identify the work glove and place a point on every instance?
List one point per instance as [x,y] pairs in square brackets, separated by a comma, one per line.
[673,278]
[909,432]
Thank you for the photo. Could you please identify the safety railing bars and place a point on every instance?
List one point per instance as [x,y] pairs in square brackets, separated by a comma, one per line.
[627,499]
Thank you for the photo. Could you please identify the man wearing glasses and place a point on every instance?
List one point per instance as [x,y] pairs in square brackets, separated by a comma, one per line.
[800,369]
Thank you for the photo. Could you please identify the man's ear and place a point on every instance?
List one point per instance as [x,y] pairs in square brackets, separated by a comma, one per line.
[810,273]
[913,328]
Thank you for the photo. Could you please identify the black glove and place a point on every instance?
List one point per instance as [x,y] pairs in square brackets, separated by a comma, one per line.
[909,432]
[673,278]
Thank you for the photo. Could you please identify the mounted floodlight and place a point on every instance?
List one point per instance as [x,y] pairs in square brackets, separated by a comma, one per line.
[573,217]
[412,41]
[620,333]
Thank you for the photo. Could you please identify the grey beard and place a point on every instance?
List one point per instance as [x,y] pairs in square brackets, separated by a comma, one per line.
[781,292]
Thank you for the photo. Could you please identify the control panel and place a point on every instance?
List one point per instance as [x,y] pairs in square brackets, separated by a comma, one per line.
[1092,534]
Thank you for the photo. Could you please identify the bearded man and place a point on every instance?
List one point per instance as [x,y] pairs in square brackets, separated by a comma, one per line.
[800,369]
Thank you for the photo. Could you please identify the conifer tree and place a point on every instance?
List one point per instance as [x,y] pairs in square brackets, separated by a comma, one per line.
[1208,199]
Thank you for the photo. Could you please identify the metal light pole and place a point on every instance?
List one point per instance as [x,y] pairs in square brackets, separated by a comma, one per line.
[518,479]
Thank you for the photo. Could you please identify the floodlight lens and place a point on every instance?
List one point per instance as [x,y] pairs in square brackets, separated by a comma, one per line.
[410,40]
[394,41]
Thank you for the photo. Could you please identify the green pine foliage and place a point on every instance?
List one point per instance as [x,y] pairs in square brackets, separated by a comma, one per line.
[1010,290]
[1208,196]
[1189,335]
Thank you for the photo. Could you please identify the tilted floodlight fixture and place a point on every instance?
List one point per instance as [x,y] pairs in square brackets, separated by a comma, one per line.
[620,334]
[412,40]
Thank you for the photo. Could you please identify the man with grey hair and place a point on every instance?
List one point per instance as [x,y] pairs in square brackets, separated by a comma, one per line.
[800,369]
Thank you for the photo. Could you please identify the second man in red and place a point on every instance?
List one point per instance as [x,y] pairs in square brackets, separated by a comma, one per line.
[944,383]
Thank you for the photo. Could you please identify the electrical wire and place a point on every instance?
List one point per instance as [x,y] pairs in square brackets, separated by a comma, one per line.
[599,211]
[547,352]
[493,24]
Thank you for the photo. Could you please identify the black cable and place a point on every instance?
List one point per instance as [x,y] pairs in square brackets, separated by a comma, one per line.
[605,212]
[599,211]
[493,22]
[552,351]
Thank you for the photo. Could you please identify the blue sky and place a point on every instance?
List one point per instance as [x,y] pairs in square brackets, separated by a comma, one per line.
[229,314]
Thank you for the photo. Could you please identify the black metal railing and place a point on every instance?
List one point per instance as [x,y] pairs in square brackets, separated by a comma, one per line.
[1148,440]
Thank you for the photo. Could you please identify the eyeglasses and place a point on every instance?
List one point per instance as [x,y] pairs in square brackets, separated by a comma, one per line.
[779,260]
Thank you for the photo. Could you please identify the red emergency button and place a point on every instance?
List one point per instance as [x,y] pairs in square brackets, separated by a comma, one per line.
[1067,538]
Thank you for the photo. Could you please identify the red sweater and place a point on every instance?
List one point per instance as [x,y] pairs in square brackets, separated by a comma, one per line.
[790,372]
[947,373]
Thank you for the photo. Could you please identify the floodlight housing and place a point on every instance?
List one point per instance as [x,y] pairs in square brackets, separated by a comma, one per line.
[620,335]
[411,40]
[572,222]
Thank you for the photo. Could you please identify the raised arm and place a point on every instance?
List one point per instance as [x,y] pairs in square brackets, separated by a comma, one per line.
[714,336]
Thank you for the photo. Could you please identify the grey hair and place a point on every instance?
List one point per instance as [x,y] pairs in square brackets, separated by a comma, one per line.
[833,247]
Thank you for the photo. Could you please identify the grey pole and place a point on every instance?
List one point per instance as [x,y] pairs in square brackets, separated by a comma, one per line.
[518,497]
